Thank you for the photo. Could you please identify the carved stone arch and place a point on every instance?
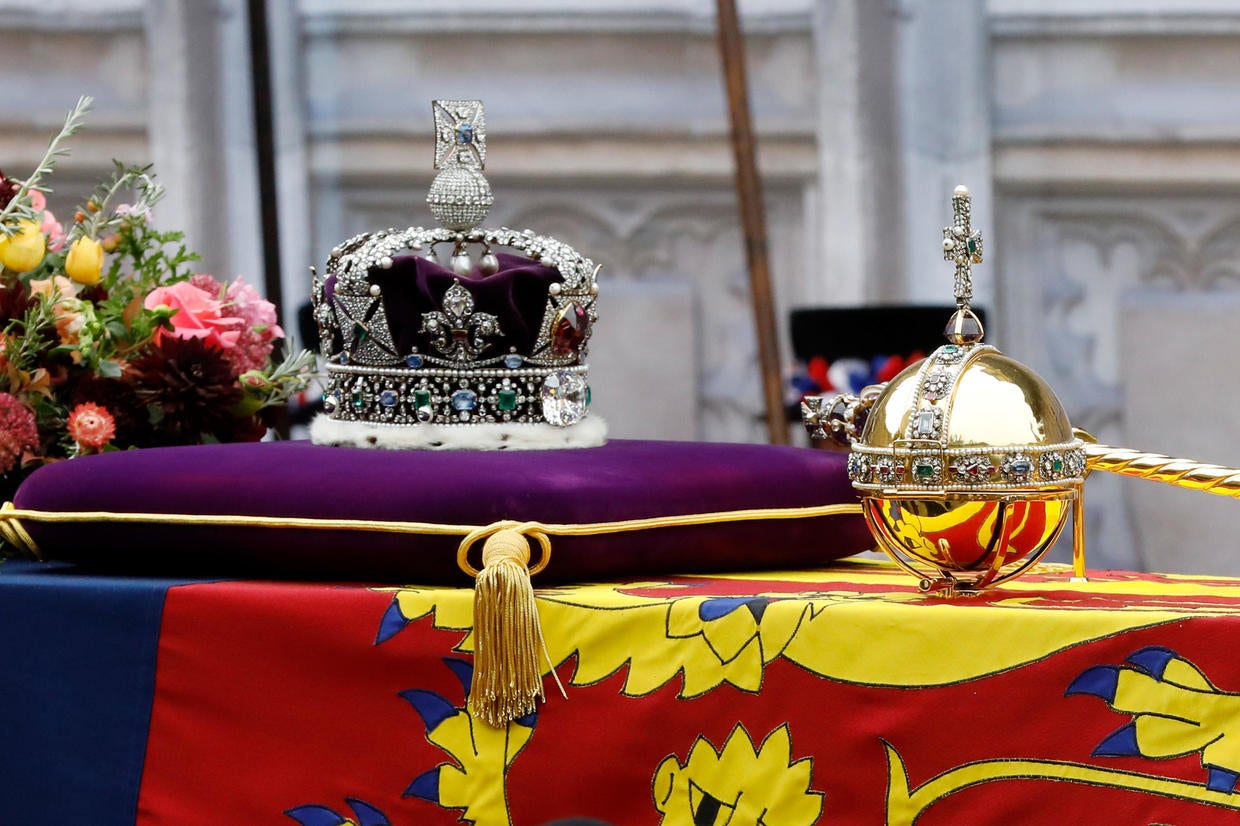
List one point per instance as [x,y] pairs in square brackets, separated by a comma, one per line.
[697,223]
[578,225]
[1165,254]
[1218,254]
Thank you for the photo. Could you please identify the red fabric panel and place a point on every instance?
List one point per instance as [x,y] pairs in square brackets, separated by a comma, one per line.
[267,696]
[272,697]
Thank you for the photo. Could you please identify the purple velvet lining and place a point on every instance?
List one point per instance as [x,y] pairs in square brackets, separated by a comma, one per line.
[619,481]
[516,295]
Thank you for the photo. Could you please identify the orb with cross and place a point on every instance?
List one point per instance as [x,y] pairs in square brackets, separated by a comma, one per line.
[967,465]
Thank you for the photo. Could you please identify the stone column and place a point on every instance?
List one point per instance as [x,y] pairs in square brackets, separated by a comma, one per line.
[201,130]
[945,140]
[860,220]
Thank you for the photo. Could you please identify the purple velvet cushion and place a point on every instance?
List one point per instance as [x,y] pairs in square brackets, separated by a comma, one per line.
[619,481]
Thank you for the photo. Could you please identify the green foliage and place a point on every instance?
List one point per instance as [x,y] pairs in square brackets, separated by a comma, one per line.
[19,208]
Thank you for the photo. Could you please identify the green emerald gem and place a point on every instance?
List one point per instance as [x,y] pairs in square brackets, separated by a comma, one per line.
[421,398]
[1057,465]
[925,471]
[359,400]
[359,330]
[950,348]
[971,246]
[587,395]
[506,400]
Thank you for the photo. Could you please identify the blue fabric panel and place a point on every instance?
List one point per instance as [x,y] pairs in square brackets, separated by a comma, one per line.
[77,664]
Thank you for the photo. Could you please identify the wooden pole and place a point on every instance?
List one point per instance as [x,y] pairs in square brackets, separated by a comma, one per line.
[753,220]
[264,140]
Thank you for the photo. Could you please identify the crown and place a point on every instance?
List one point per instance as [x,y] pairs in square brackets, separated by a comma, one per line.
[485,355]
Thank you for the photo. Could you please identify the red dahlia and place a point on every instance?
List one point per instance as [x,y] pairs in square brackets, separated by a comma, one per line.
[192,386]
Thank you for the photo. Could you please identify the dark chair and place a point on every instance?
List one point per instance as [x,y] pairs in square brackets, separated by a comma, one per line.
[865,333]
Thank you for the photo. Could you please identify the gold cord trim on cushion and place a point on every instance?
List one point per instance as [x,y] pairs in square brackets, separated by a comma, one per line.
[489,532]
[12,532]
[10,515]
[507,681]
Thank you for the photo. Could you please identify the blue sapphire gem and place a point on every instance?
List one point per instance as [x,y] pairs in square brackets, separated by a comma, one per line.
[344,358]
[465,134]
[414,361]
[512,361]
[1020,467]
[464,400]
[388,398]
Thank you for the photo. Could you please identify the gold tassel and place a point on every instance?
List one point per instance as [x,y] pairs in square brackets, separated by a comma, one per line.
[507,681]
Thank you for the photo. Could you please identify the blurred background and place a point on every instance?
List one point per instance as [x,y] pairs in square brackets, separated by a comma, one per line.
[1100,138]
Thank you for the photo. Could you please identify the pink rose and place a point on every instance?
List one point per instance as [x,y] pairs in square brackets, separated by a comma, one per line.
[50,227]
[54,231]
[259,331]
[198,315]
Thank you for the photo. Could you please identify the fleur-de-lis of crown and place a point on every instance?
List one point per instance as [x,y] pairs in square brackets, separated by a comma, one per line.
[459,333]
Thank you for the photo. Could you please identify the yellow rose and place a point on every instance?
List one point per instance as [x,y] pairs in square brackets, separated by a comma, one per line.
[24,250]
[84,263]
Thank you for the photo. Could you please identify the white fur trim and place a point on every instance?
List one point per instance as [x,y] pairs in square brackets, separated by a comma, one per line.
[590,432]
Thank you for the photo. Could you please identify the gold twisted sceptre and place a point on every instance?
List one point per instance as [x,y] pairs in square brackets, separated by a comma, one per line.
[1183,473]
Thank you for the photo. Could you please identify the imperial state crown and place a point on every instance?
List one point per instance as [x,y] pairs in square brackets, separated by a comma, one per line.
[485,355]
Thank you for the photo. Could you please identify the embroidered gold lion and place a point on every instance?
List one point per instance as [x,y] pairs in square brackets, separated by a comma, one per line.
[476,781]
[737,785]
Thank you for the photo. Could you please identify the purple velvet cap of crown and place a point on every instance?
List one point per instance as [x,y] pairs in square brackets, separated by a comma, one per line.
[516,295]
[622,480]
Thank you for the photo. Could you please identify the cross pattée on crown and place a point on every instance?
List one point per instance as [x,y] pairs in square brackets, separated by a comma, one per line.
[460,134]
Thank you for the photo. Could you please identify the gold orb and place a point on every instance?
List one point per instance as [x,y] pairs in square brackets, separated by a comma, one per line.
[967,466]
[966,463]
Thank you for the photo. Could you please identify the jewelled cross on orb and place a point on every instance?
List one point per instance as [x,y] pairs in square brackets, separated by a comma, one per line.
[963,245]
[460,134]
